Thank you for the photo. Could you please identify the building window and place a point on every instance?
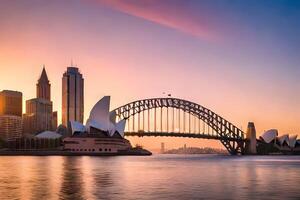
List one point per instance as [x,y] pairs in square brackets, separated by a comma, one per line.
[109,149]
[93,149]
[100,149]
[105,150]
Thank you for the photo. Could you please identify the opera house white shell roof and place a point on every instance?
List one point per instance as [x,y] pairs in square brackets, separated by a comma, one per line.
[99,115]
[77,127]
[269,135]
[292,141]
[120,127]
[100,118]
[283,138]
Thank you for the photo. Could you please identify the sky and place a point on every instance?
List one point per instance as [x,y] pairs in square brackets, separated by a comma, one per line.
[239,58]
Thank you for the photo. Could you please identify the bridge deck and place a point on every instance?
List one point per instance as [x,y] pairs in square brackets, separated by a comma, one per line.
[187,135]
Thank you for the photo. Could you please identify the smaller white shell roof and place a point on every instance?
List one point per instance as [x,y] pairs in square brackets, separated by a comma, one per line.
[96,124]
[269,135]
[77,127]
[292,140]
[120,127]
[112,128]
[48,135]
[283,138]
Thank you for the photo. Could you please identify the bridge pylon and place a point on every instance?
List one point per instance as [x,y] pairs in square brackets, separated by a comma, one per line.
[250,144]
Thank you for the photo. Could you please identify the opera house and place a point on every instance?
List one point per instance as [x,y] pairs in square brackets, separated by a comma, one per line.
[100,135]
[271,142]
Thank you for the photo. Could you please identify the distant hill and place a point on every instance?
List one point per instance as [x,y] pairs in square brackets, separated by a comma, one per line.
[196,150]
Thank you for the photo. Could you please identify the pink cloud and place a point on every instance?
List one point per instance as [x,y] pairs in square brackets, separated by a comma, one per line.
[169,15]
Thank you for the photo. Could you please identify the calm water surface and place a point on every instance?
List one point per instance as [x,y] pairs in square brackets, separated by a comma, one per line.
[154,177]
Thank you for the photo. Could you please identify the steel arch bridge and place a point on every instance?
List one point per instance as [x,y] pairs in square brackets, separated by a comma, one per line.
[172,117]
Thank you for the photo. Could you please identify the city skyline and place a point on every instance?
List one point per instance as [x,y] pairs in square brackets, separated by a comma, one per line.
[218,60]
[150,99]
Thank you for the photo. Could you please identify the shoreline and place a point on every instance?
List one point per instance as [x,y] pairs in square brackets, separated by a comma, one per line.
[131,152]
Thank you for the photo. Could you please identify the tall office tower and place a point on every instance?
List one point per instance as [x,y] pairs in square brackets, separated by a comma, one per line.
[43,86]
[10,103]
[72,96]
[10,114]
[39,116]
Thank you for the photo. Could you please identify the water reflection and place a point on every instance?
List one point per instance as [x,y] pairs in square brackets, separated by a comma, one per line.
[155,177]
[72,179]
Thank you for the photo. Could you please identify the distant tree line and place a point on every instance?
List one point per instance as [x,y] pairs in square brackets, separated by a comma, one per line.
[196,150]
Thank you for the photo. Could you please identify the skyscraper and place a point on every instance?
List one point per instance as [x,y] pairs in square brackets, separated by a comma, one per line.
[39,116]
[10,114]
[72,96]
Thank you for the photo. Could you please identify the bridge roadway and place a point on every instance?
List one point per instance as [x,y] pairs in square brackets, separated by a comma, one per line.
[186,135]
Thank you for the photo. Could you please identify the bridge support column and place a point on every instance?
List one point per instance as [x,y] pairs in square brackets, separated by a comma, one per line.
[250,139]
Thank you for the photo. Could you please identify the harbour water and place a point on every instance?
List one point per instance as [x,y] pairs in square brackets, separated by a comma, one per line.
[152,177]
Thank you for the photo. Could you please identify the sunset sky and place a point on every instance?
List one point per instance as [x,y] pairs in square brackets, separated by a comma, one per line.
[239,58]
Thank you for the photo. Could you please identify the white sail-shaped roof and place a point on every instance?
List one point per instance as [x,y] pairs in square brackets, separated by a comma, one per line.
[77,127]
[269,135]
[120,127]
[283,138]
[112,129]
[100,118]
[99,115]
[112,116]
[292,140]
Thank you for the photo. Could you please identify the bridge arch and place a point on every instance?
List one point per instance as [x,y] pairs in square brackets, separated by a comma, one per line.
[229,135]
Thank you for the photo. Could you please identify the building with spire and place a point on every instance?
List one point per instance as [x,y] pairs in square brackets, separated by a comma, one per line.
[72,96]
[39,114]
[43,86]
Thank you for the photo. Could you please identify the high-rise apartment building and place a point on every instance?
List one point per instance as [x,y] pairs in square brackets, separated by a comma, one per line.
[10,114]
[10,127]
[72,96]
[39,116]
[10,103]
